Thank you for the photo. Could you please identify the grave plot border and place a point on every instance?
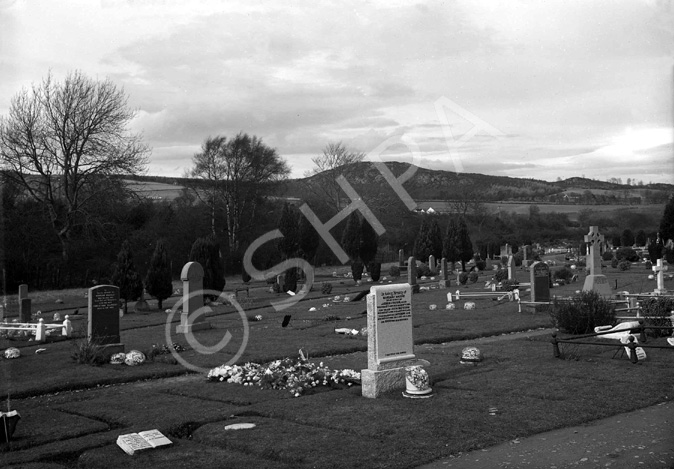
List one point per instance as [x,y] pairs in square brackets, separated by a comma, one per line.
[632,345]
[40,328]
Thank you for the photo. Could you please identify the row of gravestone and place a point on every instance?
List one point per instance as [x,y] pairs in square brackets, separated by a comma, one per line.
[103,325]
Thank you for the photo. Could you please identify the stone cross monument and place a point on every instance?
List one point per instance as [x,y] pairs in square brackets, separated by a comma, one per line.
[595,281]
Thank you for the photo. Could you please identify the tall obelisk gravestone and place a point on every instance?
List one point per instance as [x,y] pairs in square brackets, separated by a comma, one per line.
[595,281]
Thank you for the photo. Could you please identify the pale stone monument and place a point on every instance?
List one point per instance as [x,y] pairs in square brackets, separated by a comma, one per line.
[596,281]
[660,270]
[192,276]
[390,346]
[511,265]
[444,281]
[431,263]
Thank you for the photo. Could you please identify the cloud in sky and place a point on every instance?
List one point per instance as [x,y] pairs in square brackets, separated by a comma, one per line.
[571,87]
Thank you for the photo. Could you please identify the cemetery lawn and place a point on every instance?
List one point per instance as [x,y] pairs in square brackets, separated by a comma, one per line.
[72,413]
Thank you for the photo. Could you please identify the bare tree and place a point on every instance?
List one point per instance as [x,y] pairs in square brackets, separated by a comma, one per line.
[324,185]
[237,171]
[62,141]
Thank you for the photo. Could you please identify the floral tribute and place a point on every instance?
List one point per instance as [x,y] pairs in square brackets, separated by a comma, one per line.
[418,377]
[297,376]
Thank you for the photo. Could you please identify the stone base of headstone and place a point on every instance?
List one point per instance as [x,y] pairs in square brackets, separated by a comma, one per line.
[444,283]
[597,283]
[375,383]
[186,326]
[109,350]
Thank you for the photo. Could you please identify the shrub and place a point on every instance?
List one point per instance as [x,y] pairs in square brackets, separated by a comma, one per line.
[326,288]
[290,282]
[614,263]
[583,313]
[423,270]
[88,353]
[624,265]
[375,271]
[463,278]
[607,256]
[648,265]
[627,254]
[564,273]
[509,285]
[357,270]
[481,265]
[657,312]
[276,287]
[472,277]
[394,271]
[500,275]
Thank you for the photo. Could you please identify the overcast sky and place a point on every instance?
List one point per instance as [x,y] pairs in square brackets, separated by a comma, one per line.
[539,89]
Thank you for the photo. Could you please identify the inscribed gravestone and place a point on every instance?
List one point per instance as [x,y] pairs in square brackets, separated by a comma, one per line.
[412,274]
[24,310]
[660,270]
[23,291]
[192,276]
[540,281]
[103,327]
[595,281]
[444,274]
[390,342]
[431,263]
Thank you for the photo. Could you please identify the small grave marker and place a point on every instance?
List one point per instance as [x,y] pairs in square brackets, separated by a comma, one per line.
[390,342]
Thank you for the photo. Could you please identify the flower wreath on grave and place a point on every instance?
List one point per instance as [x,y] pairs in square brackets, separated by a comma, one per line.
[297,376]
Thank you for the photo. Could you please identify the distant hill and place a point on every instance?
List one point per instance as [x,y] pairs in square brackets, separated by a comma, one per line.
[428,184]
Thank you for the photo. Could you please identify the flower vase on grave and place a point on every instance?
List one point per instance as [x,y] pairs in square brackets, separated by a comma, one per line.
[417,381]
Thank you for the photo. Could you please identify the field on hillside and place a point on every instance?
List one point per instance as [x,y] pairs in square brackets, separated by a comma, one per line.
[571,210]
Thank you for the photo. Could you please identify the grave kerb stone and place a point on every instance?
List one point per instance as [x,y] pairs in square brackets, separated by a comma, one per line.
[390,339]
[192,276]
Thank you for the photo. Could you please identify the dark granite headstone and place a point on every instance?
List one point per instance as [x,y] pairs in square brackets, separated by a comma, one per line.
[286,320]
[540,281]
[24,310]
[103,325]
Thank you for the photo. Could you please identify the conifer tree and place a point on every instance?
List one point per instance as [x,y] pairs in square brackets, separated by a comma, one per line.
[206,251]
[126,277]
[288,245]
[667,221]
[465,244]
[450,244]
[351,244]
[309,239]
[158,281]
[435,237]
[423,245]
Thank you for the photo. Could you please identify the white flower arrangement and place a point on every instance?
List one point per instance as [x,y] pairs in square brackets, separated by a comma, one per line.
[296,376]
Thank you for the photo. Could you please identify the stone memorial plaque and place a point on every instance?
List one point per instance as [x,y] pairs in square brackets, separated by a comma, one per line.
[103,327]
[540,281]
[392,307]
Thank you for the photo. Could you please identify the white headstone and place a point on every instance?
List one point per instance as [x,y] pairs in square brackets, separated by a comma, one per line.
[660,270]
[192,276]
[390,342]
[595,281]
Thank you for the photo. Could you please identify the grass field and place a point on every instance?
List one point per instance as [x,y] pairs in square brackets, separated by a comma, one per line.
[72,414]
